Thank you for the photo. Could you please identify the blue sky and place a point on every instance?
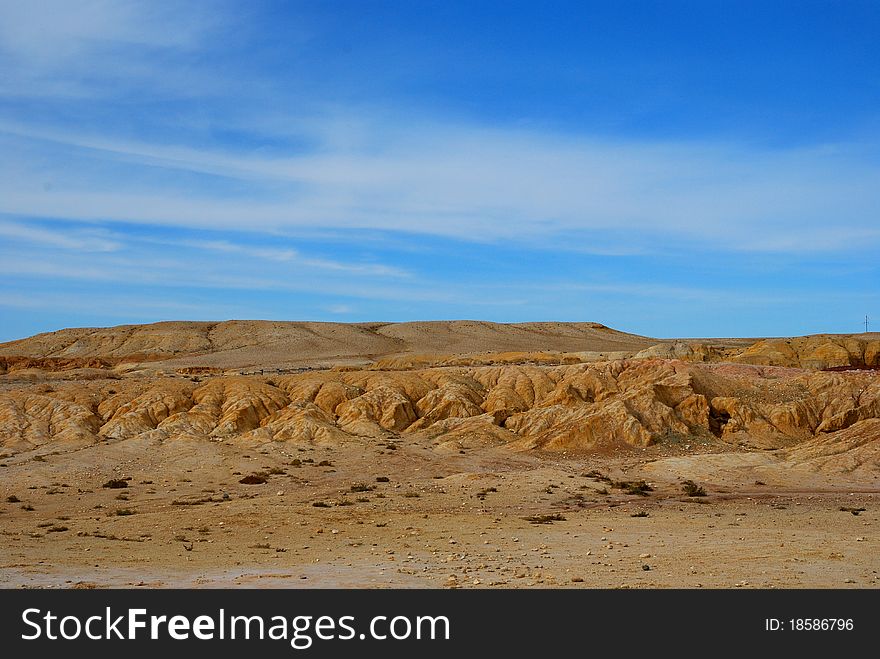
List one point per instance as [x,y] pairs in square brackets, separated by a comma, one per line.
[667,168]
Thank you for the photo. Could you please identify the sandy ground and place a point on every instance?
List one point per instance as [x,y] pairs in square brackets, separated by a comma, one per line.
[442,519]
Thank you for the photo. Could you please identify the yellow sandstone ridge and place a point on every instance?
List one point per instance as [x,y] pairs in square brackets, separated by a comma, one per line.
[582,407]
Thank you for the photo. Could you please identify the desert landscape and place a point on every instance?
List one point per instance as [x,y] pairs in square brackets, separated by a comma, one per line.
[458,454]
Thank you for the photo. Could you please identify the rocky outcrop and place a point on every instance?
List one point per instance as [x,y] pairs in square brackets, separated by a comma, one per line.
[578,407]
[300,422]
[853,451]
[29,420]
[14,364]
[384,406]
[693,352]
[816,352]
[127,418]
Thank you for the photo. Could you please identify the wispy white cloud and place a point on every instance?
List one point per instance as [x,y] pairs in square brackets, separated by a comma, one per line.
[340,309]
[475,183]
[52,32]
[386,167]
[66,49]
[287,255]
[267,253]
[728,295]
[170,263]
[85,240]
[167,275]
[112,306]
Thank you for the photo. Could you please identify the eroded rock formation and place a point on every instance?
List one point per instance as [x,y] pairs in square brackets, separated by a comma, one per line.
[577,407]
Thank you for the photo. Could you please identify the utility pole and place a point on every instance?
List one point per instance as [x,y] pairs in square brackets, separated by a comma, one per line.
[866,323]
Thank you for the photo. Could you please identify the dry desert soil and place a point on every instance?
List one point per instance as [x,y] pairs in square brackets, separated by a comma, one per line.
[446,454]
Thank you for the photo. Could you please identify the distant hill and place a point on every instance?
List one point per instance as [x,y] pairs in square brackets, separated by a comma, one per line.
[236,343]
[249,344]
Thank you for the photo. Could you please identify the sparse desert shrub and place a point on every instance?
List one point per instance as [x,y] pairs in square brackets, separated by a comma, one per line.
[691,489]
[382,479]
[482,493]
[598,476]
[115,483]
[321,504]
[191,502]
[277,471]
[545,519]
[122,512]
[362,487]
[854,511]
[640,488]
[13,499]
[641,513]
[325,463]
[254,479]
